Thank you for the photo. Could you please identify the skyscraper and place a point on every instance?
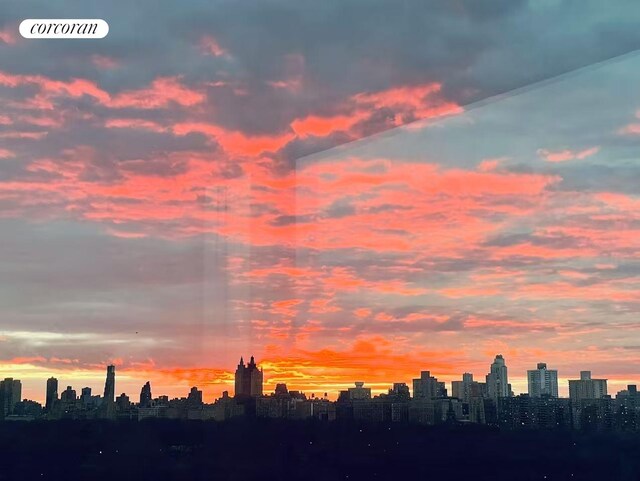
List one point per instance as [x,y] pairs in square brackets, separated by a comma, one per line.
[248,379]
[68,395]
[123,403]
[10,395]
[428,387]
[359,392]
[497,380]
[586,387]
[400,390]
[467,388]
[145,395]
[109,406]
[110,385]
[194,399]
[542,381]
[85,396]
[52,393]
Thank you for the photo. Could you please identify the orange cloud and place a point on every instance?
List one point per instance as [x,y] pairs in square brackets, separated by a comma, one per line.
[235,142]
[73,88]
[487,165]
[323,126]
[421,100]
[160,93]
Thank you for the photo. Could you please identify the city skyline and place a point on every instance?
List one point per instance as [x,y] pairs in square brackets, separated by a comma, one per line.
[307,240]
[589,407]
[344,203]
[420,387]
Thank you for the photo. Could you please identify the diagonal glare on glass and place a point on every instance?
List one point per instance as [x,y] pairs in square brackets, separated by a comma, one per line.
[510,227]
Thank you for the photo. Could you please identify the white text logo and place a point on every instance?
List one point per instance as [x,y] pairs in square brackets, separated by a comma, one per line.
[64,28]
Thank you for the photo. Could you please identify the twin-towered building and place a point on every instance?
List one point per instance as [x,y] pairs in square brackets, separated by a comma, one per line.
[248,379]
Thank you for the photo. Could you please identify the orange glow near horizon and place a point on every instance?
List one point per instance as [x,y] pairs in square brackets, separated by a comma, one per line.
[322,372]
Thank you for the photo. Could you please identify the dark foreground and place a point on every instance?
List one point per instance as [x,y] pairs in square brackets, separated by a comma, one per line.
[278,450]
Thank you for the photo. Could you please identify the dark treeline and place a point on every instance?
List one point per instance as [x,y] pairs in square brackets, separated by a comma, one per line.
[262,449]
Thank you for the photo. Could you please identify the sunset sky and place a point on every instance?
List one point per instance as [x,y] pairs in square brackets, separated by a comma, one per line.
[349,191]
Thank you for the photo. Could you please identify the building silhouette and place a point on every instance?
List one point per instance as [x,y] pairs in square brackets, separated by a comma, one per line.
[428,387]
[472,394]
[145,395]
[359,392]
[542,412]
[467,389]
[123,403]
[109,401]
[10,395]
[52,393]
[68,395]
[400,390]
[586,387]
[497,379]
[85,394]
[248,379]
[589,408]
[194,399]
[542,381]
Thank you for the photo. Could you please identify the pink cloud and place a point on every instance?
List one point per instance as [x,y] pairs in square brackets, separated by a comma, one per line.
[210,46]
[126,234]
[141,124]
[18,134]
[104,62]
[488,165]
[565,155]
[161,92]
[235,142]
[422,101]
[73,88]
[293,73]
[322,126]
[631,129]
[362,312]
[8,36]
